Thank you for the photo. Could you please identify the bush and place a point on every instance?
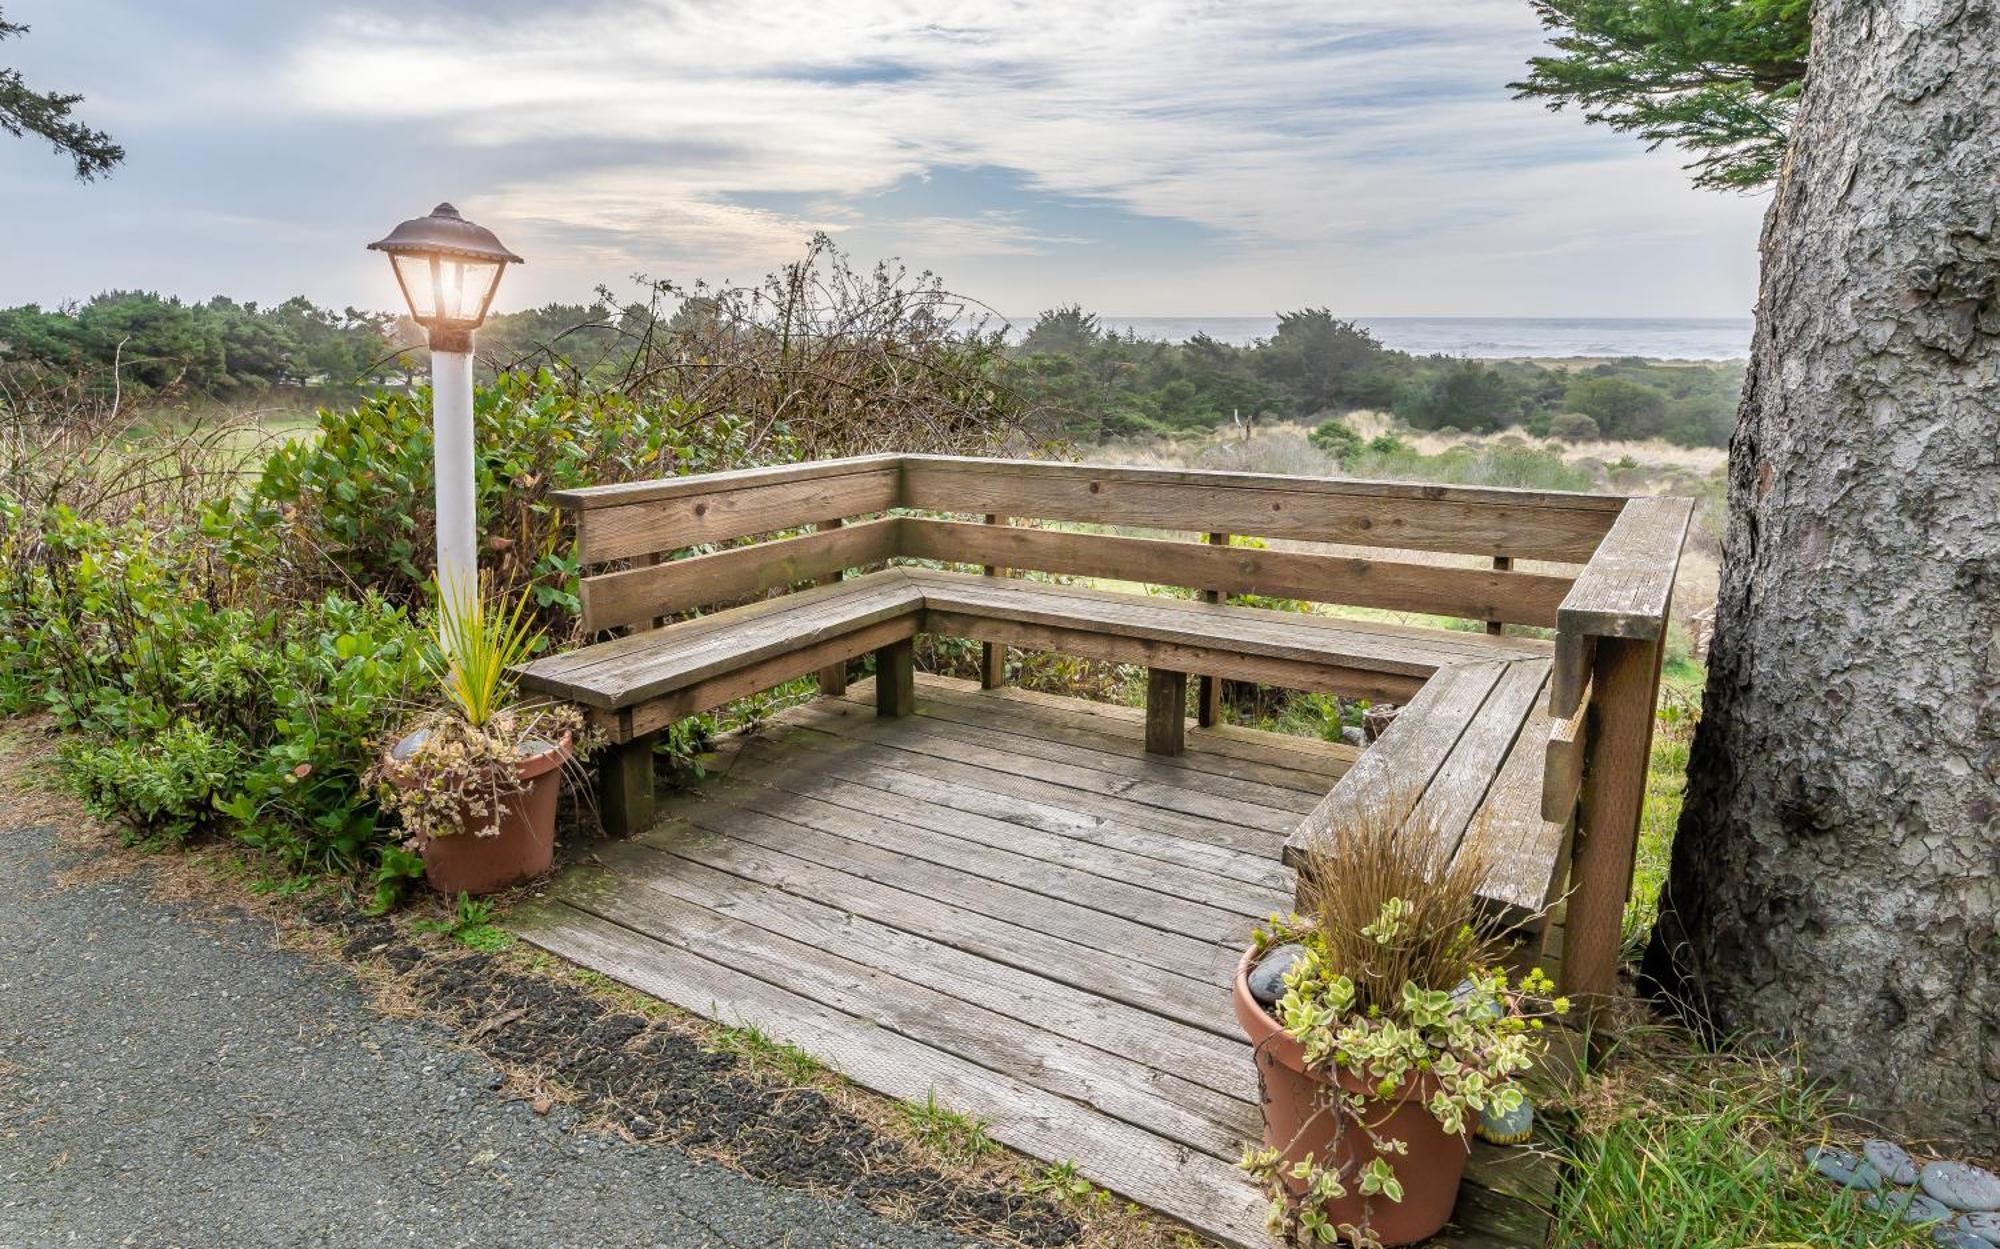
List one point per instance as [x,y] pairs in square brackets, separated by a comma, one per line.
[1335,438]
[1621,408]
[1574,427]
[354,505]
[189,715]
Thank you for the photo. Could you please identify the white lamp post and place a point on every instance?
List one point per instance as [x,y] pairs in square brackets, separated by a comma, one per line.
[448,269]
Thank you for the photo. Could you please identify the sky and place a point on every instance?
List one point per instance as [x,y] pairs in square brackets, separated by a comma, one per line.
[1190,159]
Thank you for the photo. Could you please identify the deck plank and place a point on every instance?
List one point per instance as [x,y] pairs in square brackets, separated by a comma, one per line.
[844,719]
[1167,1044]
[932,907]
[1100,890]
[1188,999]
[1146,777]
[1120,1087]
[1095,807]
[1184,1184]
[898,773]
[1154,863]
[1071,921]
[1223,751]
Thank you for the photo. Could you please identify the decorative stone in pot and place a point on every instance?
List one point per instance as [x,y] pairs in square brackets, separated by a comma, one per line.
[487,855]
[1303,1115]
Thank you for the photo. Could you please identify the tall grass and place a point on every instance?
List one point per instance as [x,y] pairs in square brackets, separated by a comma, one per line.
[1391,905]
[1666,783]
[1679,1149]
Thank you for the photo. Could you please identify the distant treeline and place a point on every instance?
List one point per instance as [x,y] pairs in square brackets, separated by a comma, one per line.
[1088,383]
[220,348]
[1317,363]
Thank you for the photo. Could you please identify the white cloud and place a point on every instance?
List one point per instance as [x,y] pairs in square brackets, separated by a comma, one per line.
[1363,153]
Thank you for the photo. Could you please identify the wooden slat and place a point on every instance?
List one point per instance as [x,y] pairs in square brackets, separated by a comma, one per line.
[1526,524]
[1411,649]
[1220,875]
[625,671]
[1391,775]
[1004,939]
[618,494]
[1166,1044]
[1148,860]
[1071,811]
[1321,761]
[634,595]
[1165,952]
[1472,593]
[1118,1087]
[611,527]
[1460,786]
[1226,790]
[1200,1190]
[1562,760]
[1141,778]
[1093,643]
[1528,852]
[1071,870]
[1624,590]
[718,691]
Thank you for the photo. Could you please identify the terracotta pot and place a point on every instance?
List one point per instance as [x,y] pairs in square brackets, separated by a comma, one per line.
[525,846]
[1300,1118]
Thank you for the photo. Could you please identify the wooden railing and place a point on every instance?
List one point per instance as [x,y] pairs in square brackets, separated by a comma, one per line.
[628,522]
[1606,598]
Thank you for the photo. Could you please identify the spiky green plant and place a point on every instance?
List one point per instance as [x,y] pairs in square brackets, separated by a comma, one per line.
[478,640]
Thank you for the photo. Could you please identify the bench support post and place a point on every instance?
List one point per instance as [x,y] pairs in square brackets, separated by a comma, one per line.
[895,679]
[1614,791]
[1166,711]
[625,786]
[1501,563]
[993,655]
[1208,693]
[833,677]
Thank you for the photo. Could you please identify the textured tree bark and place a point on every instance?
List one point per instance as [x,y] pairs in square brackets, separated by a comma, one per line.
[1834,879]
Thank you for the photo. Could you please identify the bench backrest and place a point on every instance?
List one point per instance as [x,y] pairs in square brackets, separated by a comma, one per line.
[625,532]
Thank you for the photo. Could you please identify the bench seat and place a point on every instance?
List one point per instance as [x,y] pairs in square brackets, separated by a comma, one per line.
[1464,756]
[797,632]
[1463,762]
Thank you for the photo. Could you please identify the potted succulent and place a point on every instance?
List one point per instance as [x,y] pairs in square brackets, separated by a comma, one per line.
[475,779]
[1382,1029]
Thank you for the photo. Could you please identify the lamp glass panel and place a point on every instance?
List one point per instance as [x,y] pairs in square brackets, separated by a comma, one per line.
[413,271]
[465,286]
[446,290]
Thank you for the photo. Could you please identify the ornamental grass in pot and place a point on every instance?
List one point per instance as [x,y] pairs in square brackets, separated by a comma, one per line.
[1393,1028]
[475,779]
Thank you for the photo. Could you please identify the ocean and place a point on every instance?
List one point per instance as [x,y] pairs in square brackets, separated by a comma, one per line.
[1660,338]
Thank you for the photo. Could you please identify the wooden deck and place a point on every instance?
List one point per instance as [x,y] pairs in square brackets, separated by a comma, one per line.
[999,900]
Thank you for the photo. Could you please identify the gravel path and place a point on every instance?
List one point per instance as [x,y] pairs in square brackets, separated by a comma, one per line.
[168,1080]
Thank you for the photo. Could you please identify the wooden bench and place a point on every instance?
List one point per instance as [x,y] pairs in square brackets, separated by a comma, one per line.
[1500,738]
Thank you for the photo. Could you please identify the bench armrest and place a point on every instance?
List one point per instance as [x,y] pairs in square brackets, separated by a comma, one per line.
[1623,591]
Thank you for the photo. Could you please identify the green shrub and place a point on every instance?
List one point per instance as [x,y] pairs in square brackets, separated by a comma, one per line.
[163,786]
[193,706]
[357,500]
[1335,438]
[1574,427]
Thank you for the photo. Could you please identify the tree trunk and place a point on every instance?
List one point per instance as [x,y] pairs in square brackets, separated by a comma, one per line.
[1837,871]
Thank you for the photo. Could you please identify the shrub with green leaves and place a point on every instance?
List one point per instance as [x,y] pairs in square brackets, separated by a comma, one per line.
[192,705]
[355,503]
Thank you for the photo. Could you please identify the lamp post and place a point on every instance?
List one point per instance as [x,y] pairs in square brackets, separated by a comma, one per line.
[449,269]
